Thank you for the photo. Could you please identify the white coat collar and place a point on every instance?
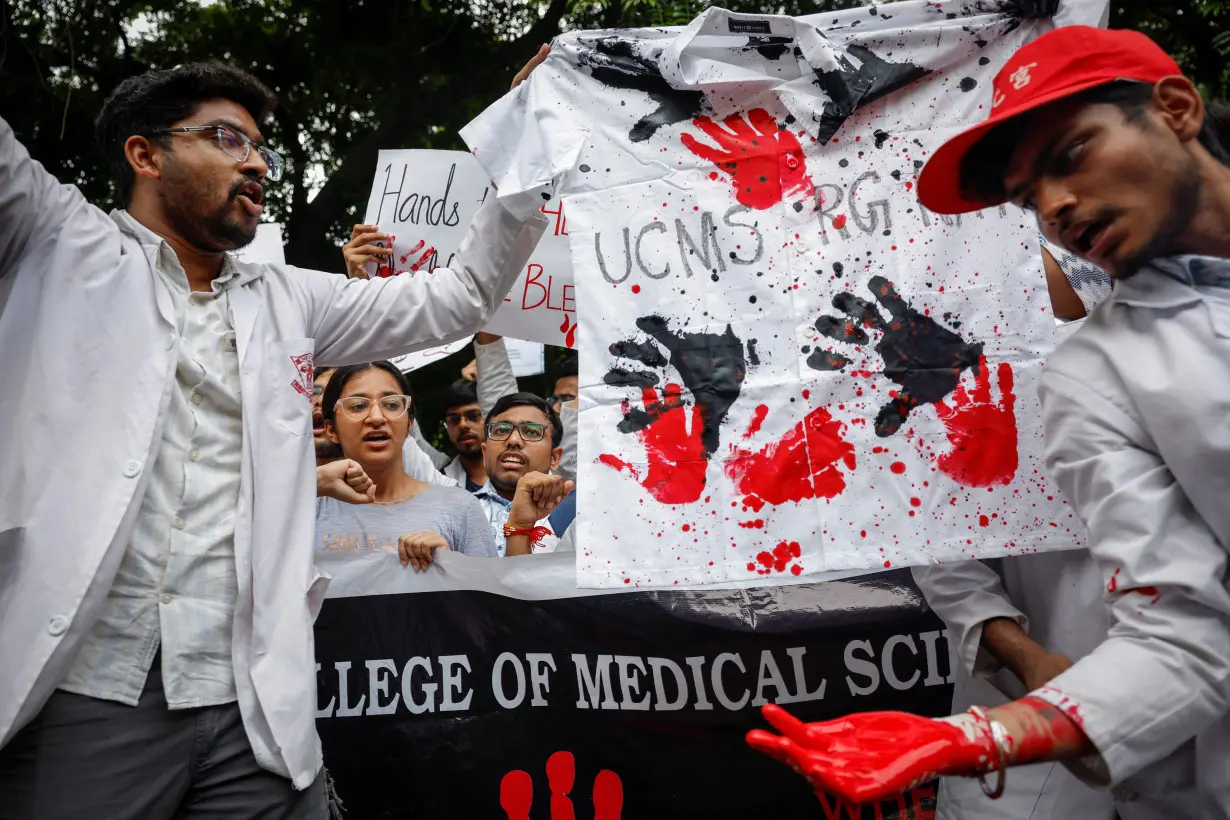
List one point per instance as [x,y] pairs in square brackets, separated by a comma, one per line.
[233,272]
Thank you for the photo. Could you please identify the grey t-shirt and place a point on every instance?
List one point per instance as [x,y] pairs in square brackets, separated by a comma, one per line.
[450,511]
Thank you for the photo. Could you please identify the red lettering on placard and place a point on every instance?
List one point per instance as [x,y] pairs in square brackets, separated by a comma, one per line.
[532,274]
[561,222]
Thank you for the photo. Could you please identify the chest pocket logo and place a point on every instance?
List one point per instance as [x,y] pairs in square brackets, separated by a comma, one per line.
[304,374]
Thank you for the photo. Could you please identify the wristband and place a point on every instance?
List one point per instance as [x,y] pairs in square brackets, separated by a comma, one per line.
[535,534]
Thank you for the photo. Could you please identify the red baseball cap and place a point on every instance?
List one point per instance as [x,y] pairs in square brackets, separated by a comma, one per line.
[1060,63]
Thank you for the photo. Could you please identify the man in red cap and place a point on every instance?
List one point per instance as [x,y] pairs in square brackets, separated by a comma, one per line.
[1099,134]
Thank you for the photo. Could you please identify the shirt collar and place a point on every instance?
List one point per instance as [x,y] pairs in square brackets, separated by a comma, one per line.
[488,491]
[1174,281]
[830,84]
[163,255]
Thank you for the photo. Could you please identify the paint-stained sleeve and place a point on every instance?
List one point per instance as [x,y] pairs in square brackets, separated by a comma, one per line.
[967,594]
[529,139]
[359,320]
[1163,673]
[495,374]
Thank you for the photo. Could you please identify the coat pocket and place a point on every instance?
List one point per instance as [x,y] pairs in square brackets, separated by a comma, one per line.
[290,367]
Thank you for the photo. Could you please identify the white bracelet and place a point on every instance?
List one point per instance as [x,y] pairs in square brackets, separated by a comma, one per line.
[999,737]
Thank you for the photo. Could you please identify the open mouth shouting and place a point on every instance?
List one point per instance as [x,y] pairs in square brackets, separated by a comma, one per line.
[377,440]
[318,423]
[513,460]
[251,196]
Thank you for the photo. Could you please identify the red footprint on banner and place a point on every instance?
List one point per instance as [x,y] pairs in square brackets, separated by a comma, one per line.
[804,463]
[673,446]
[982,431]
[569,328]
[764,161]
[517,791]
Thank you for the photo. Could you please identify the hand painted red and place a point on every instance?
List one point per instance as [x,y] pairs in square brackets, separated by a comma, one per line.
[673,446]
[982,431]
[517,791]
[873,755]
[804,463]
[764,161]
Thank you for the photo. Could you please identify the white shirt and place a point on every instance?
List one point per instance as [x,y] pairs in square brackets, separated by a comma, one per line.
[176,584]
[84,312]
[1135,404]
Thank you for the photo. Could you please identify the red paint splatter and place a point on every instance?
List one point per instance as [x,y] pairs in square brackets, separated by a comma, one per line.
[673,448]
[982,432]
[758,417]
[839,221]
[796,570]
[758,524]
[686,527]
[517,795]
[888,564]
[915,502]
[781,557]
[983,521]
[1113,584]
[897,467]
[1144,590]
[764,162]
[802,465]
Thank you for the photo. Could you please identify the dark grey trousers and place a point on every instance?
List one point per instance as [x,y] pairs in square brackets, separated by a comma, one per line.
[87,759]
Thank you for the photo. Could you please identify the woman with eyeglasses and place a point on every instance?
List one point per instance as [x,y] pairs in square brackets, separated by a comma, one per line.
[368,411]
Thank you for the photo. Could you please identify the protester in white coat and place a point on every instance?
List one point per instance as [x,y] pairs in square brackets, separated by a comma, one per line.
[1100,135]
[157,590]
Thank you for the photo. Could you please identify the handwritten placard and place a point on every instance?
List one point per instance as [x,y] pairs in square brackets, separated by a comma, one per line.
[425,200]
[266,248]
[421,358]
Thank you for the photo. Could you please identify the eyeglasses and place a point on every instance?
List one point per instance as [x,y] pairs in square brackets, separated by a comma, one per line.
[472,416]
[236,146]
[359,407]
[560,400]
[529,430]
[317,389]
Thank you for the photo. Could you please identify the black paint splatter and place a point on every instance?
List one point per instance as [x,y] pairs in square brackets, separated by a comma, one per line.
[838,269]
[617,63]
[752,356]
[968,84]
[881,137]
[771,48]
[585,169]
[924,357]
[984,60]
[711,367]
[848,87]
[895,175]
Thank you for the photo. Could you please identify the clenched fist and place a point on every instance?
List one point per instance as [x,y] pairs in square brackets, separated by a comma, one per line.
[345,481]
[537,497]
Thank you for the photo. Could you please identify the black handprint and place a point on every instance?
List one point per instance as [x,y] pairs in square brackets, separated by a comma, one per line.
[921,355]
[712,367]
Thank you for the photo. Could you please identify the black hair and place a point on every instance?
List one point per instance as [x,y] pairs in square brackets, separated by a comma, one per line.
[567,368]
[155,100]
[512,400]
[460,393]
[322,370]
[337,383]
[982,169]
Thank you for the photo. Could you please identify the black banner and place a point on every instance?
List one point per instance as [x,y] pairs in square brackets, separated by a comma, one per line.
[468,704]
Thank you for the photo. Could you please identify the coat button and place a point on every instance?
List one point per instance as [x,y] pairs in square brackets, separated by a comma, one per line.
[57,625]
[132,469]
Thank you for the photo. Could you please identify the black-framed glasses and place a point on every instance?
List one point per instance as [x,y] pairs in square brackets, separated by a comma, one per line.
[359,407]
[472,416]
[528,430]
[235,145]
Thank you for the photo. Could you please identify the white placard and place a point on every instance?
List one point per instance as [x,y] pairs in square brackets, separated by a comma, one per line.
[526,357]
[425,200]
[421,358]
[265,248]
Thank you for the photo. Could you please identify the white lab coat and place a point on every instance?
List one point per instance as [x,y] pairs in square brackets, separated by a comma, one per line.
[87,368]
[1057,598]
[1135,406]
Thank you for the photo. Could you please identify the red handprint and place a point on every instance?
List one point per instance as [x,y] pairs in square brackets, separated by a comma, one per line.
[982,432]
[764,161]
[422,260]
[517,791]
[673,447]
[803,464]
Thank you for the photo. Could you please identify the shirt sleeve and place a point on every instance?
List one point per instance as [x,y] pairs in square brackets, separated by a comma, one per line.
[1163,673]
[359,320]
[417,464]
[528,140]
[33,204]
[475,536]
[568,461]
[495,374]
[967,594]
[438,459]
